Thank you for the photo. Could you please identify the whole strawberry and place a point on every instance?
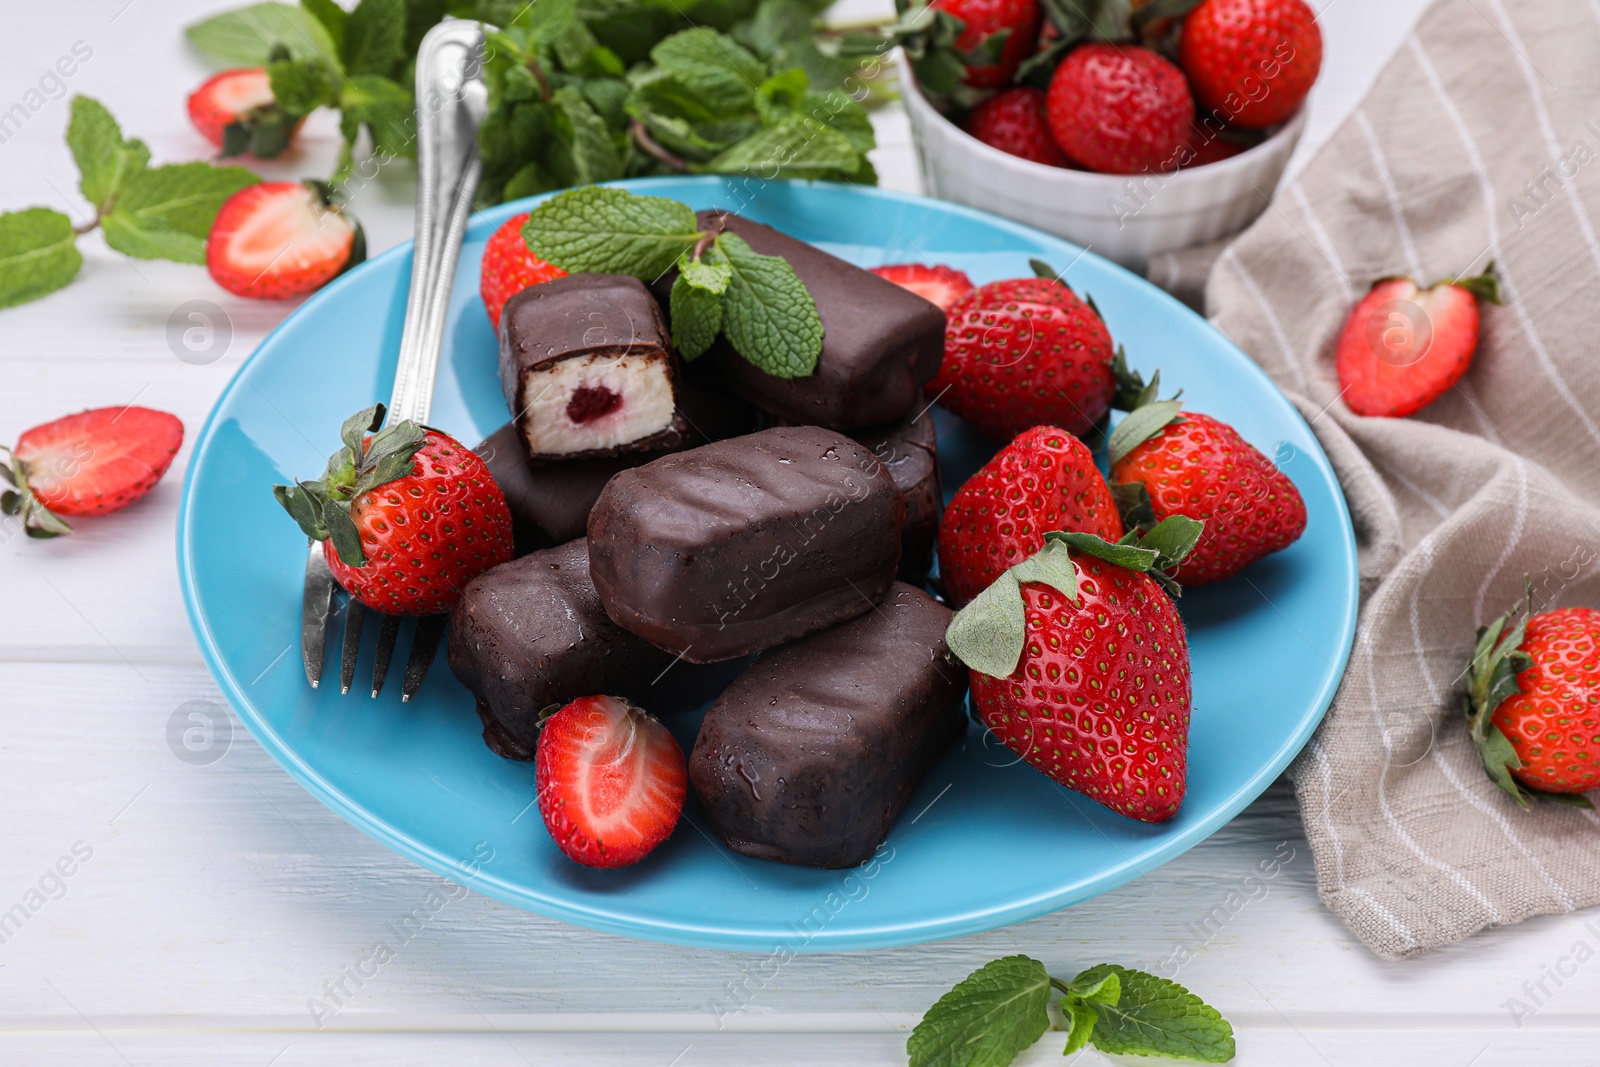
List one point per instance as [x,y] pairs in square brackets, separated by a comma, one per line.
[91,463]
[1018,19]
[1120,109]
[1014,121]
[1533,703]
[1251,62]
[1185,463]
[508,267]
[236,111]
[1403,345]
[937,284]
[410,515]
[1025,352]
[274,240]
[1081,667]
[1206,147]
[1044,480]
[610,781]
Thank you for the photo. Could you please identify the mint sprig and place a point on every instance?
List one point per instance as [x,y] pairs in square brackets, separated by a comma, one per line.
[578,92]
[723,285]
[143,211]
[1002,1008]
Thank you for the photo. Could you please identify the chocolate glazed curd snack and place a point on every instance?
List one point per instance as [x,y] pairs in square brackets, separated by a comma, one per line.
[744,544]
[550,502]
[810,755]
[909,450]
[587,368]
[531,633]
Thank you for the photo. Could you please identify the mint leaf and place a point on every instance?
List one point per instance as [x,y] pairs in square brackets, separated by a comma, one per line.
[711,271]
[540,22]
[798,147]
[613,231]
[300,86]
[1080,1024]
[1156,1017]
[385,109]
[683,122]
[987,1019]
[768,315]
[37,254]
[781,94]
[696,318]
[105,161]
[331,16]
[374,34]
[246,37]
[166,213]
[593,155]
[989,633]
[774,24]
[579,53]
[713,66]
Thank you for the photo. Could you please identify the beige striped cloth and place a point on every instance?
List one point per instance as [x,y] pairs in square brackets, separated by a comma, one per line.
[1480,141]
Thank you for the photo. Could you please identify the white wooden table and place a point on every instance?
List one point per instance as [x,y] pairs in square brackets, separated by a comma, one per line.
[219,901]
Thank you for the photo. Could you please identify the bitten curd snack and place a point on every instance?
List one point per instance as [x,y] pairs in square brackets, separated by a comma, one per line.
[587,368]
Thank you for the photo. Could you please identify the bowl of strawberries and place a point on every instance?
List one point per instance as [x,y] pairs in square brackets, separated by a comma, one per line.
[1128,126]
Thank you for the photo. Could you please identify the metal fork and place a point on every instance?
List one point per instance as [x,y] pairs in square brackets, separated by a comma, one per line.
[451,103]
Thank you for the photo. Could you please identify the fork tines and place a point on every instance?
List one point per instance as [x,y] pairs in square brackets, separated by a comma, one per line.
[321,602]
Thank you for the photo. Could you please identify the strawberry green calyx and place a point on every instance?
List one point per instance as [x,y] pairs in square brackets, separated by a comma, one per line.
[1497,659]
[1141,424]
[20,501]
[1485,286]
[1044,270]
[988,634]
[322,507]
[1133,392]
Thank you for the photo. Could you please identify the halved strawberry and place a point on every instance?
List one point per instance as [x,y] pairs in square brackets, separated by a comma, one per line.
[1404,345]
[91,463]
[508,267]
[281,239]
[937,284]
[611,781]
[236,111]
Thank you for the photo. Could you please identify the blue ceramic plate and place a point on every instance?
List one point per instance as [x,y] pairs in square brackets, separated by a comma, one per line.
[987,841]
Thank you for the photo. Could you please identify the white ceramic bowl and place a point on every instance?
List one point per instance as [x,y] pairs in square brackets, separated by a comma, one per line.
[1126,218]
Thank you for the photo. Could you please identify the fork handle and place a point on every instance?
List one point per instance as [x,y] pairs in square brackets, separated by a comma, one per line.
[447,177]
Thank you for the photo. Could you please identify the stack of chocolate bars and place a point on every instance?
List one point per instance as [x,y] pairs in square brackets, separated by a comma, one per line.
[672,549]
